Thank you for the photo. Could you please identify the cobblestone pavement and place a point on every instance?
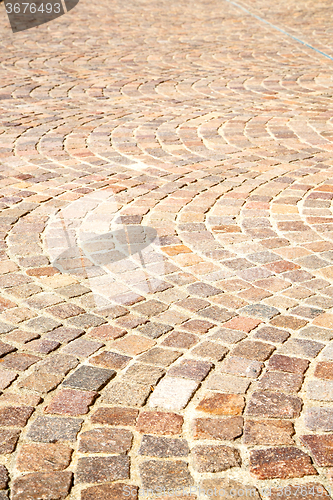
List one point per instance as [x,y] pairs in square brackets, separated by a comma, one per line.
[167,252]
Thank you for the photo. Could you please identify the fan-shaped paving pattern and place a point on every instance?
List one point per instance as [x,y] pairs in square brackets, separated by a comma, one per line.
[166,252]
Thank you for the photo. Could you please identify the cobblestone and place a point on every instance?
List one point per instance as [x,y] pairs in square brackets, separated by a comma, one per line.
[166,253]
[281,463]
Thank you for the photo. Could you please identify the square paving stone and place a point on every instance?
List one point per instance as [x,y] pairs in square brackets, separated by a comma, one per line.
[320,390]
[228,383]
[43,457]
[108,359]
[282,463]
[6,378]
[143,374]
[215,313]
[115,416]
[180,340]
[42,485]
[15,416]
[71,402]
[253,349]
[288,364]
[321,448]
[327,353]
[172,393]
[133,344]
[242,323]
[228,336]
[165,474]
[105,333]
[265,432]
[18,361]
[163,447]
[8,440]
[5,328]
[102,469]
[53,429]
[41,381]
[160,357]
[288,322]
[215,458]
[64,334]
[104,440]
[127,394]
[210,350]
[58,363]
[82,348]
[197,326]
[150,307]
[89,378]
[316,333]
[42,324]
[241,366]
[6,348]
[158,422]
[301,347]
[260,311]
[203,290]
[274,405]
[154,330]
[86,321]
[191,369]
[279,381]
[319,419]
[42,346]
[271,334]
[218,428]
[222,404]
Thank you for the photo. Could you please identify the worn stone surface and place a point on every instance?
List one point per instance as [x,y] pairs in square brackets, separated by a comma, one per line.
[222,404]
[42,486]
[280,463]
[218,428]
[127,394]
[215,458]
[163,447]
[4,477]
[319,419]
[71,402]
[168,474]
[43,457]
[15,416]
[320,390]
[104,440]
[52,429]
[172,393]
[268,432]
[102,469]
[157,422]
[273,404]
[114,416]
[8,440]
[89,378]
[191,369]
[320,448]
